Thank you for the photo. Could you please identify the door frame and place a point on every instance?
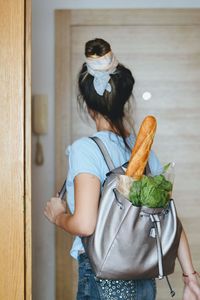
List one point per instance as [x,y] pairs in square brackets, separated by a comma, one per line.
[27,150]
[64,22]
[15,150]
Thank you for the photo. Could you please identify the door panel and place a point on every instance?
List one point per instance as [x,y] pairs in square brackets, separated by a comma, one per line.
[165,61]
[167,66]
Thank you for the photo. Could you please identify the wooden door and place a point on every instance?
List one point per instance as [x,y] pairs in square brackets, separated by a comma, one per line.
[15,207]
[162,50]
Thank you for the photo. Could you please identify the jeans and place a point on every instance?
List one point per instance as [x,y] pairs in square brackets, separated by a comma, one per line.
[92,288]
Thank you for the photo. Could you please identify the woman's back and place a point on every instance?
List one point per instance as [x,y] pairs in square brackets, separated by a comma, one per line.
[85,157]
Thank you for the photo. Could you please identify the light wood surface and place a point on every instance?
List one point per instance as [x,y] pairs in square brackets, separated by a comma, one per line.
[164,58]
[15,161]
[12,150]
[128,17]
[64,263]
[27,112]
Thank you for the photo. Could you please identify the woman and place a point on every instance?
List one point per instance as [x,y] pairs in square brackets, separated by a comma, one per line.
[105,89]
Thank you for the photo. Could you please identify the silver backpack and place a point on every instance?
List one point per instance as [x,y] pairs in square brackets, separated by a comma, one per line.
[131,242]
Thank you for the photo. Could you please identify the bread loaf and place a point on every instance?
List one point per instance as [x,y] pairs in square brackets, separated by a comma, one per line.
[142,147]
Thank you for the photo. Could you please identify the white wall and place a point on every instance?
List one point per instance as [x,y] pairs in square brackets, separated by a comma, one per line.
[43,83]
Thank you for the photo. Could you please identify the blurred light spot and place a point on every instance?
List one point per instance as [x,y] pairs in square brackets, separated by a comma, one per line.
[146,96]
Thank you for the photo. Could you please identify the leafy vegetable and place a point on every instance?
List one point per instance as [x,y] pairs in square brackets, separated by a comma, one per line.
[150,191]
[166,167]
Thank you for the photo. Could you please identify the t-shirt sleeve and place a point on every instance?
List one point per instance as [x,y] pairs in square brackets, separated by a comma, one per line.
[154,164]
[83,158]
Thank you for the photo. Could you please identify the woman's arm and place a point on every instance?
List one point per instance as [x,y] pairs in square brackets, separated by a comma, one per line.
[190,277]
[184,255]
[86,195]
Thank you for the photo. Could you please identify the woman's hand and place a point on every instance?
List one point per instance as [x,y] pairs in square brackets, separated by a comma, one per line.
[192,287]
[82,221]
[190,277]
[188,294]
[54,208]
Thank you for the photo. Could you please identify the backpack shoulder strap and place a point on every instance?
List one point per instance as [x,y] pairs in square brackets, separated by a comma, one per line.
[107,157]
[104,152]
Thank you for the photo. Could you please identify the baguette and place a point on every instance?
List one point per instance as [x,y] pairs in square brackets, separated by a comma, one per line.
[142,147]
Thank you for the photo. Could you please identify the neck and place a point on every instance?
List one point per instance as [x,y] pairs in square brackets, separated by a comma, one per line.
[103,125]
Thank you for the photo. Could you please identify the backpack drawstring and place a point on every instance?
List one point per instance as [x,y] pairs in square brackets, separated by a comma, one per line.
[156,233]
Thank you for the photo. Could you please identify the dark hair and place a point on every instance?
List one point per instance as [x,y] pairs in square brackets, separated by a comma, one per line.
[111,104]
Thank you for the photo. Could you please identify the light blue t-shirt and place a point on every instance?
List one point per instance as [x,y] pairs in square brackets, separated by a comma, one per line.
[85,157]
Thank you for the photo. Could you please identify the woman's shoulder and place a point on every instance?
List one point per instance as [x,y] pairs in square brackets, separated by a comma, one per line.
[83,144]
[83,141]
[84,157]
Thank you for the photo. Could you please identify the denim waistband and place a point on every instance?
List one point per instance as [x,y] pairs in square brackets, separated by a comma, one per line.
[82,257]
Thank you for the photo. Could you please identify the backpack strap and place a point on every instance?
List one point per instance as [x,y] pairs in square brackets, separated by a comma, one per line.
[107,157]
[104,152]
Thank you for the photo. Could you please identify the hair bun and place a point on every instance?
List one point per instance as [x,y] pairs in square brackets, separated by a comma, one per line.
[97,47]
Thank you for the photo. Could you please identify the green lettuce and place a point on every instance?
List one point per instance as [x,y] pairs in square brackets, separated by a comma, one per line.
[151,191]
